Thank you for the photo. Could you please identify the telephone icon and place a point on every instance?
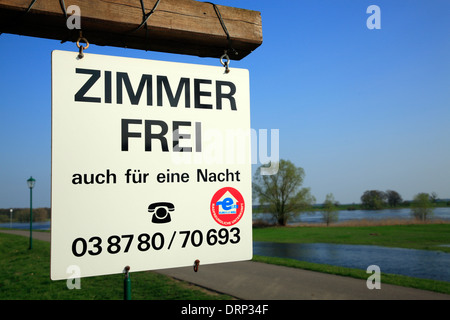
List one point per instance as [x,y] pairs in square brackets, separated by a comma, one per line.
[160,211]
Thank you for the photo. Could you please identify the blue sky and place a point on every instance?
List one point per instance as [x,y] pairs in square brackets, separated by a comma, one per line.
[358,109]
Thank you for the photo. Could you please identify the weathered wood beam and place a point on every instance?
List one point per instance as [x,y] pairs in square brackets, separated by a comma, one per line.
[177,26]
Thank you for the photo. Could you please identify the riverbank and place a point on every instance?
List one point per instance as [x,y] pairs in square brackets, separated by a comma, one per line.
[367,223]
[403,216]
[359,206]
[424,236]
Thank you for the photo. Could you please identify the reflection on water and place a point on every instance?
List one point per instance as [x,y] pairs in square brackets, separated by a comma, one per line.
[45,225]
[409,262]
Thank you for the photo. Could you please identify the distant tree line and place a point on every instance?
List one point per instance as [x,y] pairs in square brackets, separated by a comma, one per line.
[376,199]
[23,215]
[282,195]
[421,206]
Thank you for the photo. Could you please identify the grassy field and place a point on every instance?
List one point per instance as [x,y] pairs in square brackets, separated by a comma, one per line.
[25,276]
[416,236]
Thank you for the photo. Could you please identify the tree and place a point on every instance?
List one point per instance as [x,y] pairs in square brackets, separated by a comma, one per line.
[329,212]
[373,199]
[281,193]
[434,197]
[393,198]
[422,206]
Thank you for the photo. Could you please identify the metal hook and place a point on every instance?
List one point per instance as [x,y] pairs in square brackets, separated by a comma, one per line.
[127,271]
[196,264]
[81,48]
[127,284]
[226,63]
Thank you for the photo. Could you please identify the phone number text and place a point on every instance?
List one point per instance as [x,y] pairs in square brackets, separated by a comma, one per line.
[143,242]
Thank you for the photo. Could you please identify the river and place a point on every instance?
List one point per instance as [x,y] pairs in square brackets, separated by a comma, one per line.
[42,225]
[348,215]
[409,262]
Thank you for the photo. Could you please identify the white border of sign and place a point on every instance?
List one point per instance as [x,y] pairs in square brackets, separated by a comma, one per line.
[118,128]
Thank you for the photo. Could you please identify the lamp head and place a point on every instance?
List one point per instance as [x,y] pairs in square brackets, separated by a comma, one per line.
[31,182]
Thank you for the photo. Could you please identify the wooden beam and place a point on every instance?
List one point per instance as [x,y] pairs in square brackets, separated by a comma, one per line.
[177,26]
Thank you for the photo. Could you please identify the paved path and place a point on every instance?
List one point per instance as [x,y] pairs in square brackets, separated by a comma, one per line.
[44,236]
[259,281]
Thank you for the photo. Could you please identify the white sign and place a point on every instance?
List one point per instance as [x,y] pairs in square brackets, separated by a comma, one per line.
[151,165]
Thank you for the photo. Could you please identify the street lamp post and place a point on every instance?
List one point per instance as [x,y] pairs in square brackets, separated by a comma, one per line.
[31,183]
[10,218]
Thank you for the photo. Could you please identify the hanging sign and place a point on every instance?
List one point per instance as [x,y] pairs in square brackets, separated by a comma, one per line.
[151,165]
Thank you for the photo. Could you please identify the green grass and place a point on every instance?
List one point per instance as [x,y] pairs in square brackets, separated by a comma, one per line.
[25,276]
[419,236]
[413,236]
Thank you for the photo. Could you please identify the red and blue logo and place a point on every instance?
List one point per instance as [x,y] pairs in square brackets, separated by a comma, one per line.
[227,206]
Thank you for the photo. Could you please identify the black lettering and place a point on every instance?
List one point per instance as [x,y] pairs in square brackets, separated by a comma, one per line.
[205,176]
[229,96]
[149,136]
[110,176]
[107,86]
[92,178]
[126,134]
[177,136]
[161,177]
[224,90]
[95,75]
[198,94]
[122,77]
[91,181]
[231,176]
[184,83]
[77,179]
